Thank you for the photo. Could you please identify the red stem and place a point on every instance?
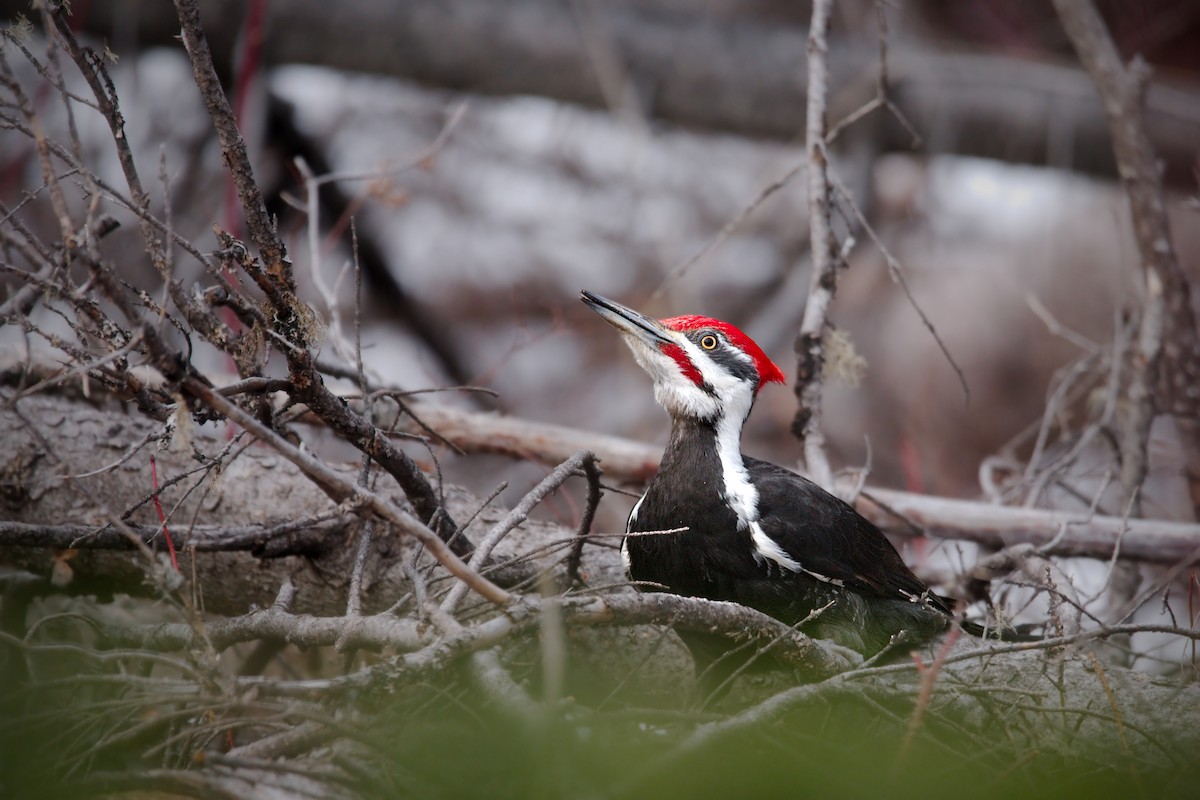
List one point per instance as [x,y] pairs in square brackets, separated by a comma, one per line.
[161,516]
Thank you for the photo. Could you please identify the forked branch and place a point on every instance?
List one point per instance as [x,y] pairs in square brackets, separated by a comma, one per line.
[1166,358]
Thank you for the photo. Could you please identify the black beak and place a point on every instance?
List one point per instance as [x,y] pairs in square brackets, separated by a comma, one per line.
[626,320]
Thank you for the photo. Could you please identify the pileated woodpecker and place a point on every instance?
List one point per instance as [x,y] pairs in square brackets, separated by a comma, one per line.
[749,531]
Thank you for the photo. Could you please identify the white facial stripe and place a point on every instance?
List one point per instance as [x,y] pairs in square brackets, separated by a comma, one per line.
[739,491]
[738,394]
[713,373]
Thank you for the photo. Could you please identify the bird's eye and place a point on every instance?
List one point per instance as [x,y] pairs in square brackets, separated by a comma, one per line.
[708,341]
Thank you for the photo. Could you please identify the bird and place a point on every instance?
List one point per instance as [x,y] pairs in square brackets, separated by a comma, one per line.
[716,524]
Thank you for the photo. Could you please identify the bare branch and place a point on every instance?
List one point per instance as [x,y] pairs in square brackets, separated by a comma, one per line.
[826,258]
[262,230]
[592,472]
[1168,347]
[817,658]
[92,67]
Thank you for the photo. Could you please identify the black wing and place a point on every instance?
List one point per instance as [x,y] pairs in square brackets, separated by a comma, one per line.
[829,539]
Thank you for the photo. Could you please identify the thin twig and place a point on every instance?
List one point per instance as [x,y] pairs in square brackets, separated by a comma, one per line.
[363,550]
[929,676]
[896,272]
[162,518]
[729,229]
[258,222]
[592,472]
[92,67]
[882,81]
[759,652]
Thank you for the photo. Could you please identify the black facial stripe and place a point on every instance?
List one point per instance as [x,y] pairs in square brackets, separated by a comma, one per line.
[731,360]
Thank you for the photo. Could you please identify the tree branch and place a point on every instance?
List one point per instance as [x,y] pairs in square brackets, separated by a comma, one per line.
[809,345]
[1167,359]
[271,248]
[816,658]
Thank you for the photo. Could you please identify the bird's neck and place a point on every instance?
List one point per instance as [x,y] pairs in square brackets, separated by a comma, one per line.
[710,452]
[693,439]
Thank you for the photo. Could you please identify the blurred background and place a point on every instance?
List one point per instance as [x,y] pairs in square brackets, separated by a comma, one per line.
[497,157]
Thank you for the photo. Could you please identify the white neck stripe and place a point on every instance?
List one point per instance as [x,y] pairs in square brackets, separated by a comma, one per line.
[739,491]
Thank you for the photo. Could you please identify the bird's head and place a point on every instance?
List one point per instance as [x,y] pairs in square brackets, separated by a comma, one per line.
[702,368]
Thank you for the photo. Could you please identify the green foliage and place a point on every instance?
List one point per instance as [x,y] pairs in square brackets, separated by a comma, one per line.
[71,720]
[463,747]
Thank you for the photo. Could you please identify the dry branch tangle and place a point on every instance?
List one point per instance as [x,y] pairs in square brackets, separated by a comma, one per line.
[432,648]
